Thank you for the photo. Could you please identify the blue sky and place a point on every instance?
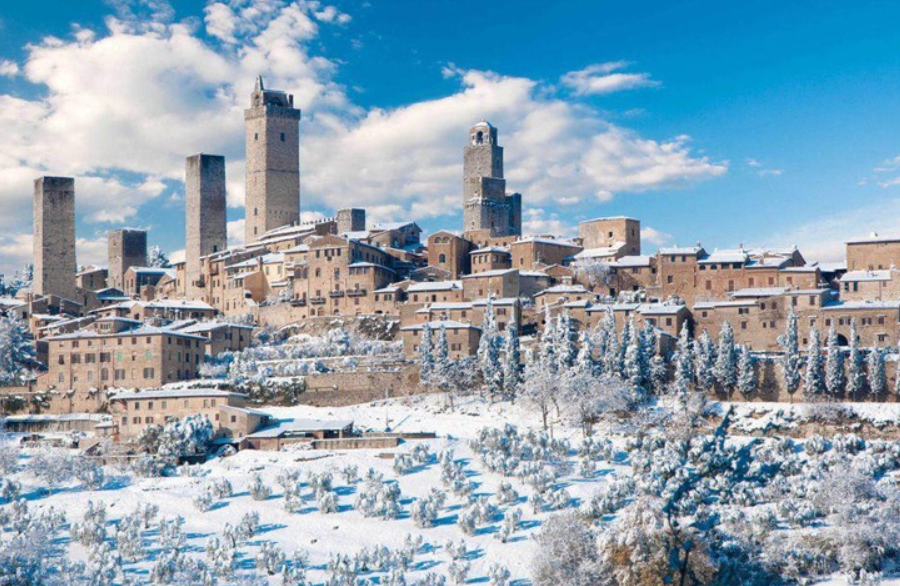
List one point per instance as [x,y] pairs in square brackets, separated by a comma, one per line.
[766,123]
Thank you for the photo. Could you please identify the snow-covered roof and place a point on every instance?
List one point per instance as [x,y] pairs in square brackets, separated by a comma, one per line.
[487,249]
[534,274]
[549,241]
[715,304]
[211,326]
[873,238]
[362,265]
[302,426]
[496,301]
[878,275]
[298,248]
[832,267]
[760,292]
[392,226]
[447,324]
[725,256]
[445,306]
[857,305]
[435,286]
[177,304]
[564,289]
[173,393]
[388,289]
[685,250]
[609,218]
[633,261]
[604,252]
[660,309]
[494,273]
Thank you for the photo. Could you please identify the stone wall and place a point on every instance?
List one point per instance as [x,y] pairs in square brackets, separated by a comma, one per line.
[54,237]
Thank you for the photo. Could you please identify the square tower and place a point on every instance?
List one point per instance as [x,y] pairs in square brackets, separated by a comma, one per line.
[126,248]
[206,207]
[624,233]
[351,220]
[273,162]
[54,236]
[486,207]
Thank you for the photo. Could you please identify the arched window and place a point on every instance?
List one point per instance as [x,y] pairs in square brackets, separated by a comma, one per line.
[479,137]
[442,259]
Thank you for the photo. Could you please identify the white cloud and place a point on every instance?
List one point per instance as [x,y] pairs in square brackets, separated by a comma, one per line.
[823,238]
[8,68]
[122,107]
[654,236]
[605,78]
[236,232]
[537,221]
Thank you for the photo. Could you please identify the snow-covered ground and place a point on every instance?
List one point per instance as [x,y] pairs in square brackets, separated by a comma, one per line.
[347,531]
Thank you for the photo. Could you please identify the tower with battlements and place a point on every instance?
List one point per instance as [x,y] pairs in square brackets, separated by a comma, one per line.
[54,236]
[126,248]
[206,229]
[273,161]
[487,209]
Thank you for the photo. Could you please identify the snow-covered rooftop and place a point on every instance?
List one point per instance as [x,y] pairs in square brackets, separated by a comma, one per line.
[173,393]
[878,275]
[434,286]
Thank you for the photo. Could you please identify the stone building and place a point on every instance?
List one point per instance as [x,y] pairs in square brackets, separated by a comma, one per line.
[227,411]
[873,253]
[126,247]
[120,352]
[92,278]
[462,338]
[54,237]
[351,220]
[535,253]
[206,228]
[492,258]
[450,252]
[487,209]
[620,235]
[273,162]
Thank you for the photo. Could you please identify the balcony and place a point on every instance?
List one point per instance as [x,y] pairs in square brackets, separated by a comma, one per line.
[298,302]
[316,300]
[356,293]
[335,294]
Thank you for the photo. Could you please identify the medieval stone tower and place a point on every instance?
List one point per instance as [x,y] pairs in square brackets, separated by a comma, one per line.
[351,220]
[54,236]
[488,210]
[126,248]
[206,206]
[273,161]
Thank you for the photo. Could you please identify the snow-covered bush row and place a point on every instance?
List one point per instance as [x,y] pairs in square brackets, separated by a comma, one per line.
[376,497]
[508,452]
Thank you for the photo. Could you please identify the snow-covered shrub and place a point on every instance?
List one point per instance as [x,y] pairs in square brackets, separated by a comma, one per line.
[403,463]
[288,478]
[422,455]
[537,502]
[459,572]
[511,520]
[203,500]
[456,551]
[507,495]
[816,445]
[249,525]
[9,457]
[103,565]
[848,444]
[293,500]
[147,466]
[425,511]
[88,473]
[377,498]
[498,575]
[327,501]
[468,521]
[270,558]
[9,490]
[566,553]
[258,489]
[221,488]
[559,499]
[129,539]
[171,534]
[52,467]
[93,528]
[220,556]
[350,473]
[320,481]
[609,498]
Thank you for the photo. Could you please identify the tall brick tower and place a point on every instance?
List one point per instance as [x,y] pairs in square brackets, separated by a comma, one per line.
[273,161]
[126,248]
[206,205]
[488,210]
[54,236]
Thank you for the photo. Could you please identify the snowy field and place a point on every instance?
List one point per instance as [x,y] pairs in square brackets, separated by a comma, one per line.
[498,541]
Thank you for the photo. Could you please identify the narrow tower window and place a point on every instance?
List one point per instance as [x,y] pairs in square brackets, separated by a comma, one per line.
[282,137]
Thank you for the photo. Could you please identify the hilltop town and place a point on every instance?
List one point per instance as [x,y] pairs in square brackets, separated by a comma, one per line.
[482,397]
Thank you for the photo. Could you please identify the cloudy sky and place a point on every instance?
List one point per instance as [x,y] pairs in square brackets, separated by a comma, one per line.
[763,123]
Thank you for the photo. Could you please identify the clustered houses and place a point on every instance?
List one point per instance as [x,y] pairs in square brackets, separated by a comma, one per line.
[137,326]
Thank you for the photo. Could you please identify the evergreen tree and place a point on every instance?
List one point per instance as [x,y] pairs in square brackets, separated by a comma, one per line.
[624,343]
[814,378]
[157,258]
[611,355]
[658,374]
[426,355]
[877,376]
[856,378]
[565,350]
[548,342]
[489,348]
[633,370]
[584,360]
[684,361]
[704,361]
[834,365]
[649,341]
[790,361]
[17,351]
[512,360]
[441,354]
[746,374]
[726,359]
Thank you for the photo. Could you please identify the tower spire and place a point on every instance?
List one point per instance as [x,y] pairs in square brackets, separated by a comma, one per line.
[259,83]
